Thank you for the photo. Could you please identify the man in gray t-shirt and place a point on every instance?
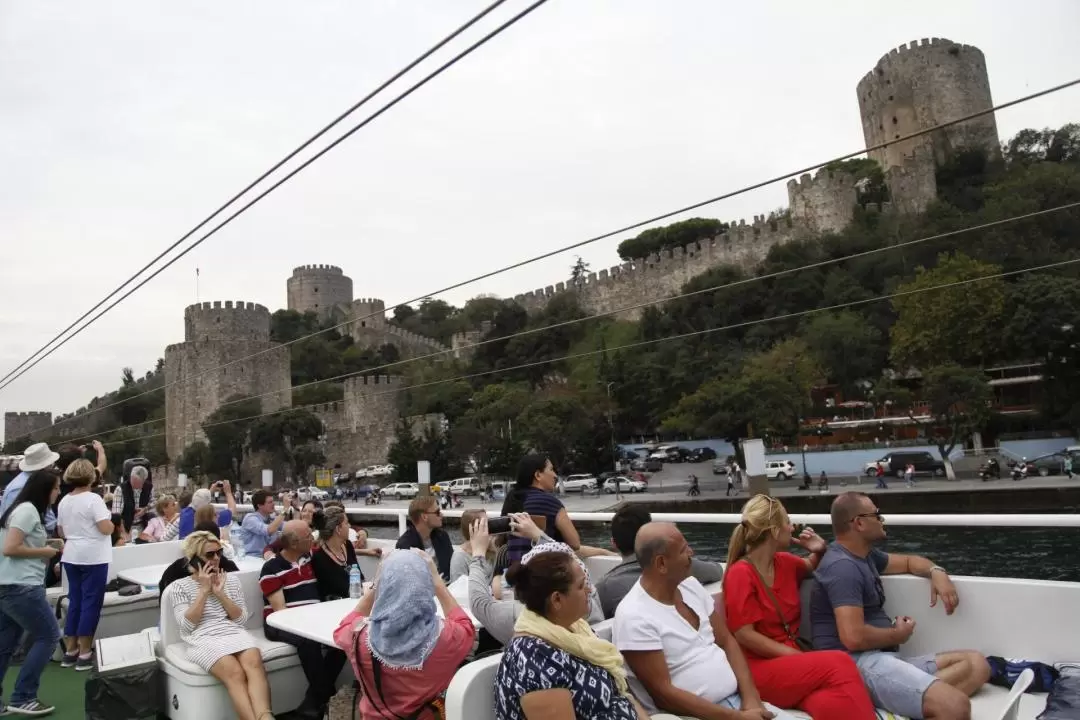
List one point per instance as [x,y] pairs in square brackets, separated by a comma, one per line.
[847,612]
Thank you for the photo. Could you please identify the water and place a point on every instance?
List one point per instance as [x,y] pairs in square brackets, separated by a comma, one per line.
[1033,553]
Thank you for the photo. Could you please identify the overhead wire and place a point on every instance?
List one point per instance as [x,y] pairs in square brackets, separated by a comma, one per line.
[596,238]
[16,374]
[652,341]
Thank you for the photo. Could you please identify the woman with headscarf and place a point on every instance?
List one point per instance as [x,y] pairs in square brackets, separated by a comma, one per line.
[555,665]
[403,654]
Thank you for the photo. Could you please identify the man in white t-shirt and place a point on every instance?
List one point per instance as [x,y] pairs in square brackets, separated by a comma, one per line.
[681,657]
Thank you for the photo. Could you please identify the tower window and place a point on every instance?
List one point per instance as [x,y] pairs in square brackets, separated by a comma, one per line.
[894,120]
[890,98]
[316,289]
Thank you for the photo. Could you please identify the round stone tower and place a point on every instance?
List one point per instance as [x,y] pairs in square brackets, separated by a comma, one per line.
[921,85]
[321,289]
[215,334]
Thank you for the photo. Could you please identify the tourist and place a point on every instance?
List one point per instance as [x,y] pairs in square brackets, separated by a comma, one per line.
[614,586]
[165,524]
[879,472]
[86,526]
[497,616]
[208,605]
[358,536]
[199,499]
[403,655]
[127,505]
[210,515]
[335,556]
[681,656]
[287,580]
[763,607]
[36,457]
[534,493]
[260,528]
[555,666]
[909,475]
[25,551]
[847,610]
[459,561]
[179,569]
[425,532]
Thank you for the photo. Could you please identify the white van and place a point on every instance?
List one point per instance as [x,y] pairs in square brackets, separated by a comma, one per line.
[461,486]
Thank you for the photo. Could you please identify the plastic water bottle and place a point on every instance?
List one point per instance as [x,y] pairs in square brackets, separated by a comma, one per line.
[356,587]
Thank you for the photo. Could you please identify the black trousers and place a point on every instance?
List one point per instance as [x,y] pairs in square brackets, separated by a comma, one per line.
[321,664]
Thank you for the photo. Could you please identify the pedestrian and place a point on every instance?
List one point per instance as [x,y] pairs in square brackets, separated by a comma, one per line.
[1068,466]
[881,477]
[730,481]
[909,475]
[823,482]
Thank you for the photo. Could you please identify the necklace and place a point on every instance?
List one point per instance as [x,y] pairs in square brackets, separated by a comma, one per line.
[339,559]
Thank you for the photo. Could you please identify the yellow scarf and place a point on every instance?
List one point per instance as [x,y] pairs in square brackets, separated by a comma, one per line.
[580,641]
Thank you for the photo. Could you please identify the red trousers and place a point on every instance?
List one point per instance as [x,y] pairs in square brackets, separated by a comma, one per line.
[826,684]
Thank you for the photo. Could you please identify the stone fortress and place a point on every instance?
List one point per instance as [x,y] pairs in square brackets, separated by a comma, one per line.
[913,87]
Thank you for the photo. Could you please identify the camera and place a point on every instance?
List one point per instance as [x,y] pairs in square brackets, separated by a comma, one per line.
[499,525]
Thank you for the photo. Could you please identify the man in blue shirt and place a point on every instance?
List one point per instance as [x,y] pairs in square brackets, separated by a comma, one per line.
[847,612]
[37,457]
[260,528]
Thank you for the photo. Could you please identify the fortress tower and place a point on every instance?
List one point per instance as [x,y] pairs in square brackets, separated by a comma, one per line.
[370,329]
[824,203]
[361,430]
[215,334]
[24,424]
[922,85]
[321,289]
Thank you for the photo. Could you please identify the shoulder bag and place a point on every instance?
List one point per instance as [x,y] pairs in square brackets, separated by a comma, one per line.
[435,706]
[801,643]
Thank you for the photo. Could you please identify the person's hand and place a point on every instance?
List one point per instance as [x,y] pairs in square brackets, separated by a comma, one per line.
[810,541]
[523,526]
[205,578]
[906,626]
[431,565]
[267,554]
[226,487]
[479,539]
[98,447]
[217,583]
[757,713]
[942,587]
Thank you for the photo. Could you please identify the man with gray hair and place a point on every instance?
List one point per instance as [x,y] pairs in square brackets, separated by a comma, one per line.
[130,508]
[681,657]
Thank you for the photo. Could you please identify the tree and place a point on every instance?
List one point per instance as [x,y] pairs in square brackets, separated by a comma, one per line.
[287,434]
[226,431]
[195,458]
[952,404]
[953,325]
[127,377]
[848,347]
[677,234]
[578,273]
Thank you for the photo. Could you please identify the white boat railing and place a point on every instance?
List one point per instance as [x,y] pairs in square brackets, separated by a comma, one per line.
[1028,520]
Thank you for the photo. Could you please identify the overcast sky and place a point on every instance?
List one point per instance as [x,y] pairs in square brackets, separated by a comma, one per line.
[124,122]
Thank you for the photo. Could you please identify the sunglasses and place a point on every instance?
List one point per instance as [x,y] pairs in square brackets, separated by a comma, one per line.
[877,515]
[436,511]
[212,554]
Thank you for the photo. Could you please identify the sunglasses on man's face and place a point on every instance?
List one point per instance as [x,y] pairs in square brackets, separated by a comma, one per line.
[876,514]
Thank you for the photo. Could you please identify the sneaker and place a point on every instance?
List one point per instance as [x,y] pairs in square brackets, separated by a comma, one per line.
[85,663]
[69,659]
[32,708]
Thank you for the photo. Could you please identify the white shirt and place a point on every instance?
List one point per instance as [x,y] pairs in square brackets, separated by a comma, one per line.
[696,663]
[78,516]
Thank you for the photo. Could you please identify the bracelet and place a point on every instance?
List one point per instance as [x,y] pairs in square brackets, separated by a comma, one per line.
[938,567]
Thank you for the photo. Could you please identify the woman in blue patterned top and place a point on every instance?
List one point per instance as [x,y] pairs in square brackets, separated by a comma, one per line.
[555,665]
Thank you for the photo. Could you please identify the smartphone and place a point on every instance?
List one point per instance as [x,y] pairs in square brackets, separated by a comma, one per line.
[196,563]
[499,525]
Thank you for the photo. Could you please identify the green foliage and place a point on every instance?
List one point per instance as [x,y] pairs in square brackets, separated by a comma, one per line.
[846,345]
[287,435]
[431,445]
[226,431]
[950,325]
[677,234]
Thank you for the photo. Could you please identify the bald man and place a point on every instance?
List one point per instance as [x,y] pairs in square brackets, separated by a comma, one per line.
[847,612]
[681,657]
[287,581]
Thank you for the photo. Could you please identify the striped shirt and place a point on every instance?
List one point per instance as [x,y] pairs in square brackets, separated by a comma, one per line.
[295,580]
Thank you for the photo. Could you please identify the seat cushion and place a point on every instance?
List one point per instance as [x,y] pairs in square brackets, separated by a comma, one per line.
[176,653]
[115,599]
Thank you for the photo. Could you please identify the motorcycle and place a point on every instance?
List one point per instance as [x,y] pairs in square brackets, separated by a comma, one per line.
[989,470]
[1020,471]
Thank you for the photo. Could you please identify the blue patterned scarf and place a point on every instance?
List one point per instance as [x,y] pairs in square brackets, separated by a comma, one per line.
[404,627]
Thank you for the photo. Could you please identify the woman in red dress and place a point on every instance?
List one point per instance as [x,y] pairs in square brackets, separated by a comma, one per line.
[762,605]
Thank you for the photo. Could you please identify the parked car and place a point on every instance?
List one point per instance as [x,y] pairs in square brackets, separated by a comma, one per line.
[720,466]
[779,469]
[627,485]
[311,493]
[578,483]
[702,454]
[895,463]
[399,491]
[462,486]
[1052,464]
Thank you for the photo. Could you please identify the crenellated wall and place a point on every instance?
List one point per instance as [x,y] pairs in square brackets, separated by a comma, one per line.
[913,183]
[824,203]
[360,430]
[663,275]
[24,424]
[370,329]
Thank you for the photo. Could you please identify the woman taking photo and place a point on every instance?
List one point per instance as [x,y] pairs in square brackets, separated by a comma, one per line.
[85,523]
[335,556]
[403,654]
[209,608]
[24,556]
[762,606]
[555,665]
[166,522]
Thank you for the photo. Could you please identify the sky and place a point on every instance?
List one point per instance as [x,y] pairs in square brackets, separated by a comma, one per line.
[124,122]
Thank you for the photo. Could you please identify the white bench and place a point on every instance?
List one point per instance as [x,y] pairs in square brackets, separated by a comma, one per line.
[1027,619]
[120,614]
[192,694]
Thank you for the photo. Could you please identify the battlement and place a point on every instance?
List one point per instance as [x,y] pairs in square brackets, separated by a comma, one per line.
[370,384]
[26,423]
[28,414]
[308,270]
[226,320]
[410,337]
[374,303]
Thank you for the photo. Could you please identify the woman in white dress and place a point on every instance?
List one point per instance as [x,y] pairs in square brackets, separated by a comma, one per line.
[209,608]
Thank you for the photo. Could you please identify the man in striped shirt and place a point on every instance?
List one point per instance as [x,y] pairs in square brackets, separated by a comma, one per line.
[287,580]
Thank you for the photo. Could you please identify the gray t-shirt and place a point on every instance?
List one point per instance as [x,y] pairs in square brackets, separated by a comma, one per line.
[844,579]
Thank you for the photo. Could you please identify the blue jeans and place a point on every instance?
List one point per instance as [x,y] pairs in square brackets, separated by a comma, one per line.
[24,607]
[86,594]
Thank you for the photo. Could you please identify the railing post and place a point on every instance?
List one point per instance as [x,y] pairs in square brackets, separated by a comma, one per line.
[402,527]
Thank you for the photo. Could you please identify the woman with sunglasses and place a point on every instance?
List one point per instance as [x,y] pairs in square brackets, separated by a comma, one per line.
[209,608]
[763,607]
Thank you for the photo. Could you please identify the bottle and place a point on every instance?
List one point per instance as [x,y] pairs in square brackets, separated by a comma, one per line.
[356,587]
